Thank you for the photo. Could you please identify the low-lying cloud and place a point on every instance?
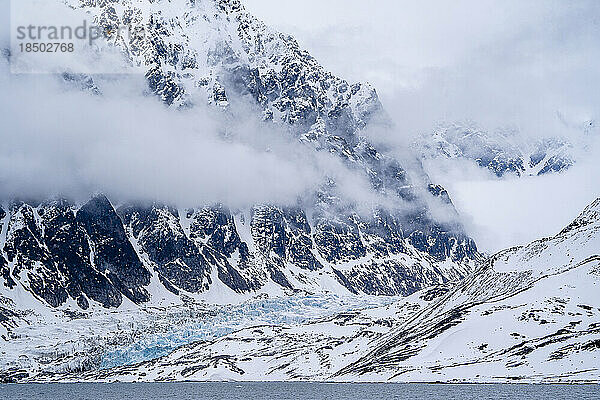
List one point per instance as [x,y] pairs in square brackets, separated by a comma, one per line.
[61,140]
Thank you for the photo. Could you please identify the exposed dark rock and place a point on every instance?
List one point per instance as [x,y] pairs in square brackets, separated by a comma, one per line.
[160,235]
[25,248]
[299,243]
[69,248]
[268,233]
[82,302]
[213,228]
[112,251]
[4,270]
[338,241]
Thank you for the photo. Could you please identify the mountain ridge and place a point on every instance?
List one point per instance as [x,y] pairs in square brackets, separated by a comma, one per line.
[503,153]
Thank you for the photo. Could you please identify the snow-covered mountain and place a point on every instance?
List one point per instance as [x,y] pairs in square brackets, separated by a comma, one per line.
[503,152]
[271,292]
[98,253]
[530,314]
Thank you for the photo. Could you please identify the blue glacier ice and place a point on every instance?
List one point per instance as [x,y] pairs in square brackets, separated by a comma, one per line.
[222,320]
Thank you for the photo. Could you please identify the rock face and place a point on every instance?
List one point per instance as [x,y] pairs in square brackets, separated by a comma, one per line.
[160,236]
[50,256]
[57,254]
[502,153]
[112,250]
[58,250]
[215,228]
[4,270]
[24,248]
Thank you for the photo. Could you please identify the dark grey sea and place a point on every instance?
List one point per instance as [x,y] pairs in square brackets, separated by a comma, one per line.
[295,391]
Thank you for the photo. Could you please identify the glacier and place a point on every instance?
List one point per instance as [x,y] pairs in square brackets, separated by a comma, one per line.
[220,321]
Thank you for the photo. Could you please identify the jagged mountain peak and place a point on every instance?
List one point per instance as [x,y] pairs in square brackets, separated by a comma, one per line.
[216,52]
[216,47]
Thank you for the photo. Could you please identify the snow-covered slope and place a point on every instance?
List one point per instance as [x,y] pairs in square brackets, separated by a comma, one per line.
[531,314]
[106,284]
[42,341]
